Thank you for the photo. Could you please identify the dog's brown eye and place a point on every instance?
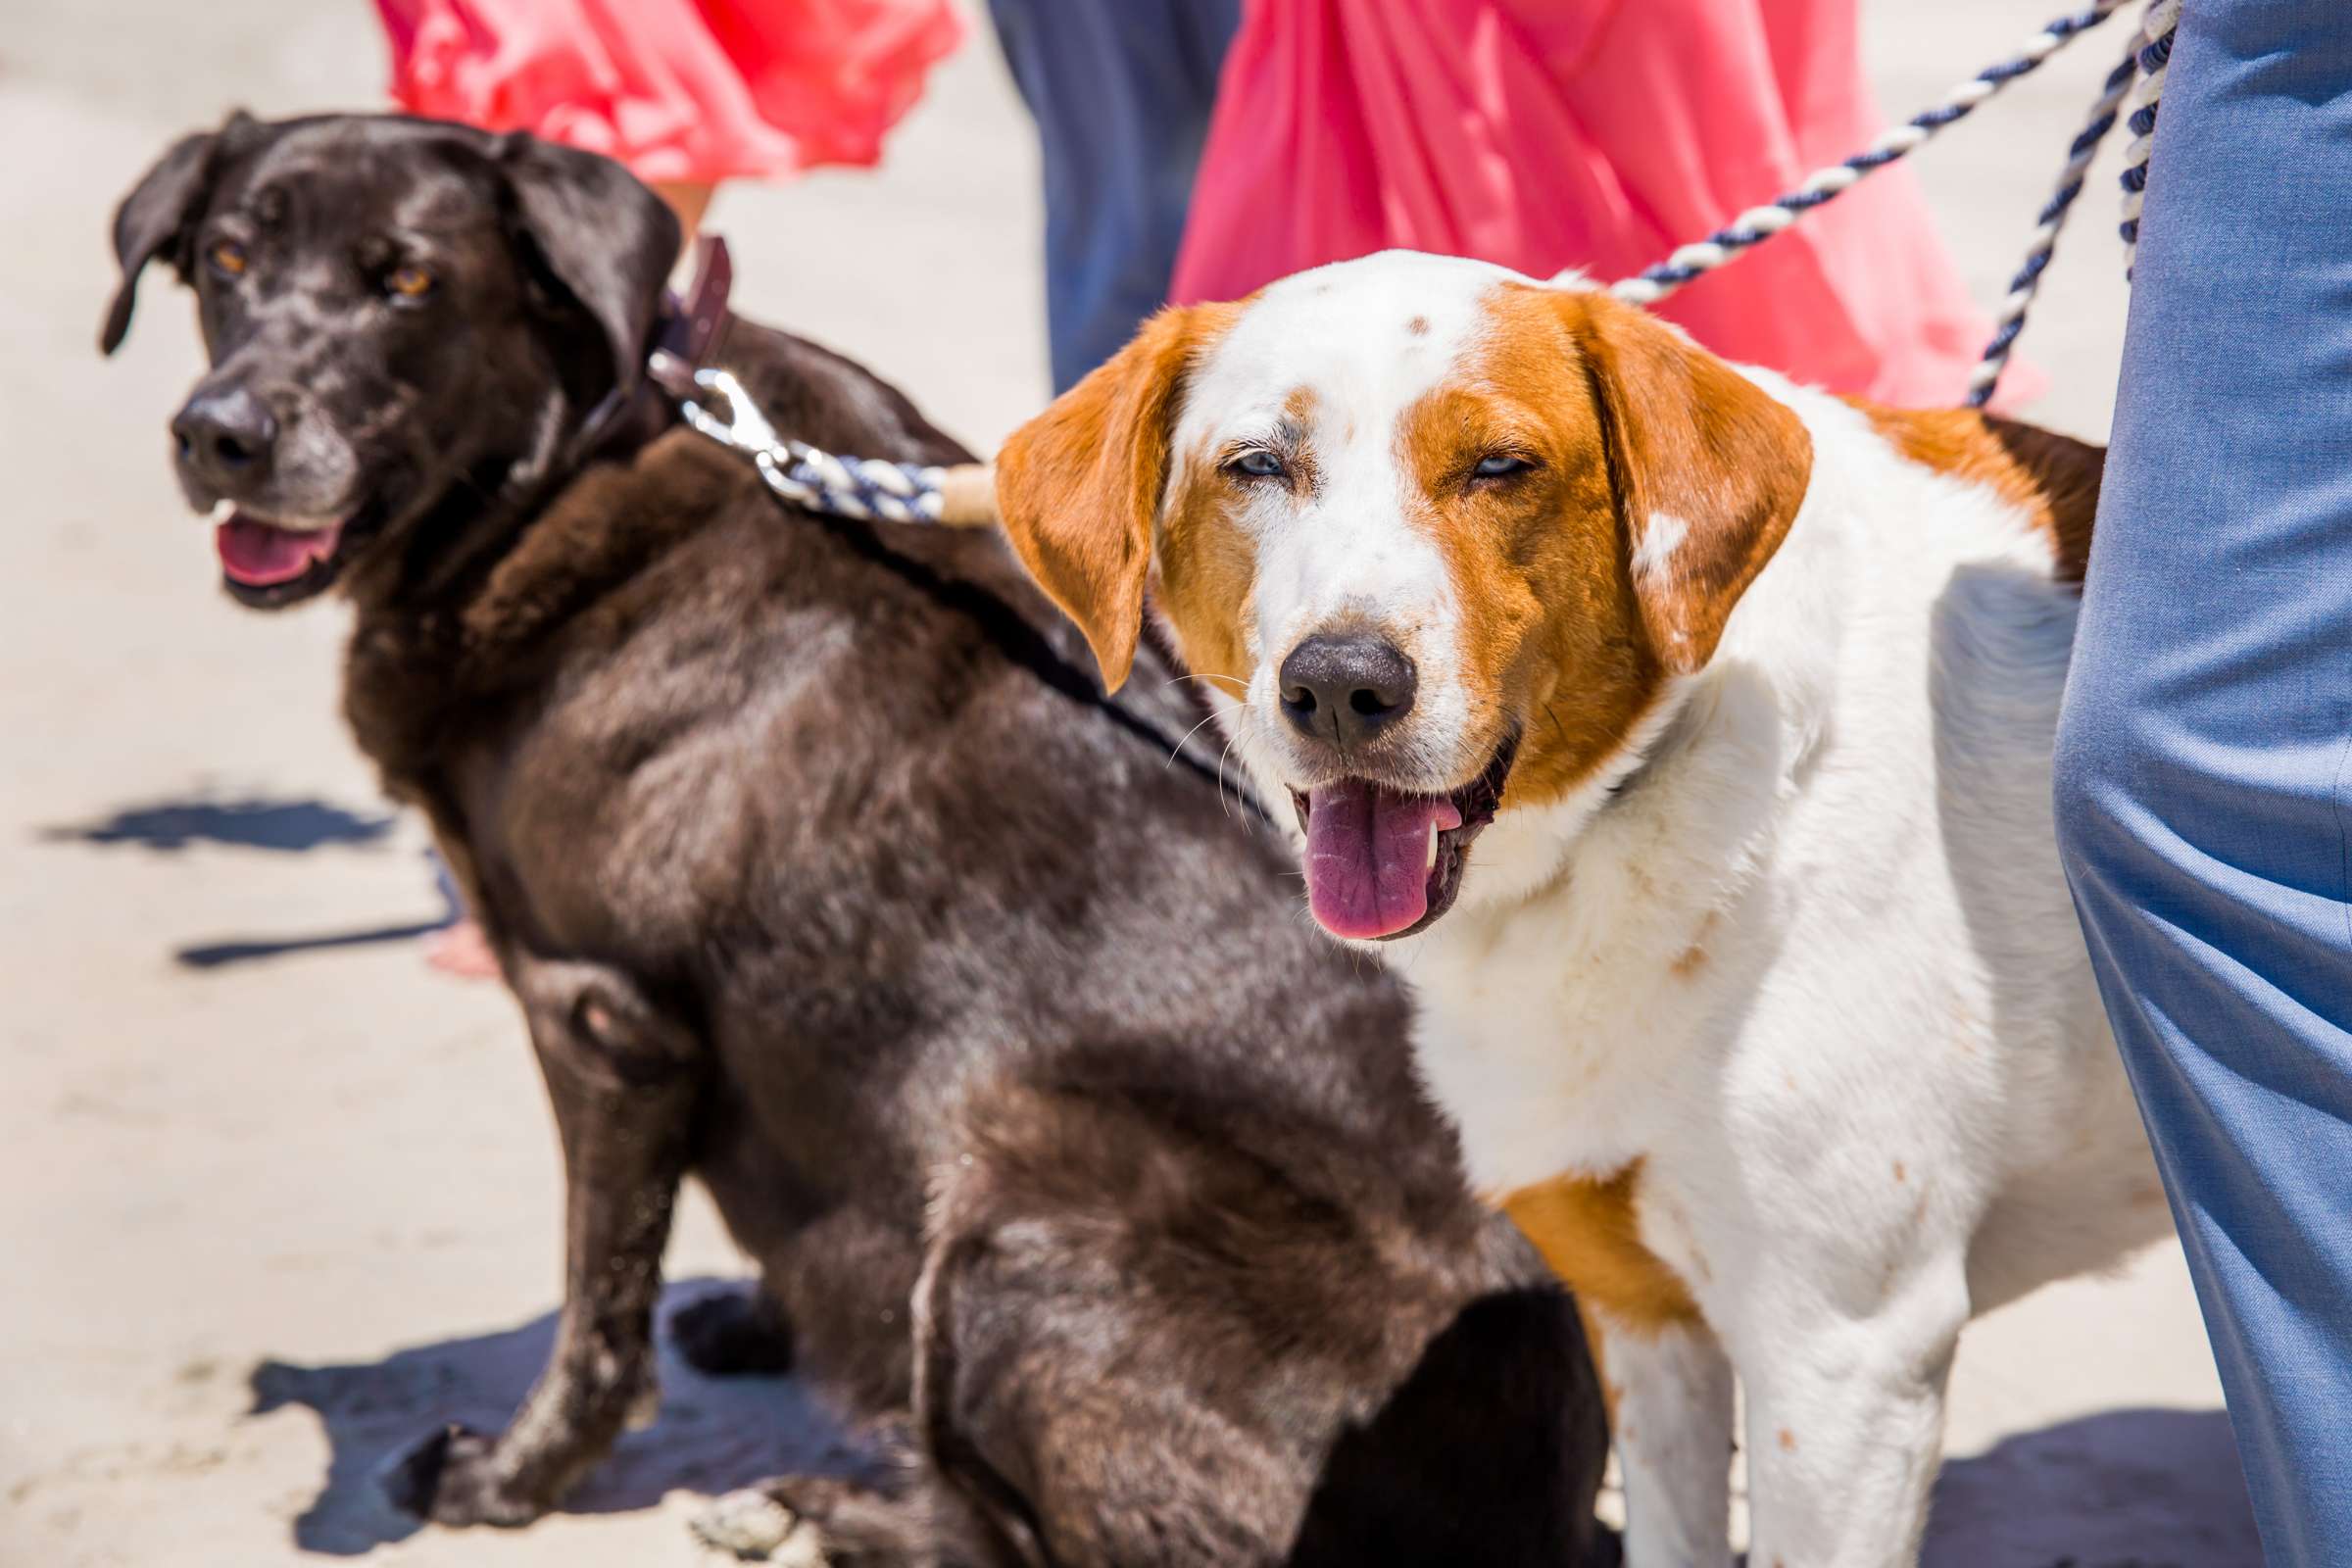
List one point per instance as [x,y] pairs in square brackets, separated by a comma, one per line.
[227,258]
[409,283]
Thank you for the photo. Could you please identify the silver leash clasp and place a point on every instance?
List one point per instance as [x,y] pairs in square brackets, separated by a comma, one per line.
[745,428]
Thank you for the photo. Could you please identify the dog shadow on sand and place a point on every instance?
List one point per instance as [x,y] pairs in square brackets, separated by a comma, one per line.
[2123,1488]
[270,826]
[714,1434]
[278,826]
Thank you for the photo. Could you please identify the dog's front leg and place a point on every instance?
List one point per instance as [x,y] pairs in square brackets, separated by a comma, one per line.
[1673,1415]
[1845,1418]
[623,1084]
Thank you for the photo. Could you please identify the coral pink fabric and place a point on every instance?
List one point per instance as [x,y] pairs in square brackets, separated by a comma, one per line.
[1547,134]
[700,90]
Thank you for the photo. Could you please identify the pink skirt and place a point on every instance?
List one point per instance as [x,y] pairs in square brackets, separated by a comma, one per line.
[687,91]
[1601,134]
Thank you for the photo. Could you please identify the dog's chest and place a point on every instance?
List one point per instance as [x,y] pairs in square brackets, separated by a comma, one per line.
[1556,1026]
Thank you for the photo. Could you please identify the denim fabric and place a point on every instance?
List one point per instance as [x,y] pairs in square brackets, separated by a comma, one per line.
[2207,732]
[1121,90]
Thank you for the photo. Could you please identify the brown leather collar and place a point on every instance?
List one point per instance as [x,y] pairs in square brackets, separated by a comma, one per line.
[687,334]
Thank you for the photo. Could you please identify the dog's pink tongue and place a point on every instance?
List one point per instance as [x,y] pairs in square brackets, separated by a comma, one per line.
[1367,857]
[257,555]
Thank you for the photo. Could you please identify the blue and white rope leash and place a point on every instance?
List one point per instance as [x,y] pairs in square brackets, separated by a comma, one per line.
[869,489]
[1759,223]
[2011,317]
[2141,73]
[2155,58]
[962,495]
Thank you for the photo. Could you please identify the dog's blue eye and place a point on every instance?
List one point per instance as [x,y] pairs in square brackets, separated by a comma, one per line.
[1257,464]
[1501,465]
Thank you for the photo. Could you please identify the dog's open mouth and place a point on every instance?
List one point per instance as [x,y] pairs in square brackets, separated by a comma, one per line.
[1382,863]
[270,564]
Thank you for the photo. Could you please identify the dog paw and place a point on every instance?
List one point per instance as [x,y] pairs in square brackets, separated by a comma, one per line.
[449,1479]
[755,1527]
[733,1332]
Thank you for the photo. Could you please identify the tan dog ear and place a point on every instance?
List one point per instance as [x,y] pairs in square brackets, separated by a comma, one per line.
[1078,487]
[1707,468]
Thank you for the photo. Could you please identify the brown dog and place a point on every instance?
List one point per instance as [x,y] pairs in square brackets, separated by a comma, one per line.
[822,872]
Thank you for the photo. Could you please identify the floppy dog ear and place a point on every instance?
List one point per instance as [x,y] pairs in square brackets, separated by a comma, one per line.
[1707,468]
[1078,487]
[599,233]
[154,217]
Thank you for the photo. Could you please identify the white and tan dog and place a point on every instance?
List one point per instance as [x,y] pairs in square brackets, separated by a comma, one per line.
[1761,1001]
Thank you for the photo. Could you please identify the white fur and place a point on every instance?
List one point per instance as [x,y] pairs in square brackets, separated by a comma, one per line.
[1661,536]
[1883,1096]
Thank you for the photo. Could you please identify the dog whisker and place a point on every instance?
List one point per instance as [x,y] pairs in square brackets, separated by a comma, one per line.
[1230,742]
[1204,674]
[1176,753]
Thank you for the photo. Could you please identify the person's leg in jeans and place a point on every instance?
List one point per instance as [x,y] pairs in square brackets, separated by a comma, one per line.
[2204,779]
[1122,91]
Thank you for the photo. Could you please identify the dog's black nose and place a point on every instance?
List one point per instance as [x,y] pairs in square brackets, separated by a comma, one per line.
[226,435]
[1346,688]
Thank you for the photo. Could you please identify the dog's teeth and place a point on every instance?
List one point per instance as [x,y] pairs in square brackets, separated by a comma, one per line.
[221,513]
[1432,865]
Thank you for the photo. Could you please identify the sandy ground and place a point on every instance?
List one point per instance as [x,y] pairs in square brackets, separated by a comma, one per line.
[274,1198]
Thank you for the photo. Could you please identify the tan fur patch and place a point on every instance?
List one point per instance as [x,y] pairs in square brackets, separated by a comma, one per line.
[1697,448]
[1207,566]
[1623,420]
[1078,486]
[1551,636]
[2053,479]
[1694,957]
[1207,571]
[1297,437]
[1587,1231]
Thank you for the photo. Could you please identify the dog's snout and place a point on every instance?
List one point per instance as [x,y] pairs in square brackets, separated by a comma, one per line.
[226,435]
[1346,688]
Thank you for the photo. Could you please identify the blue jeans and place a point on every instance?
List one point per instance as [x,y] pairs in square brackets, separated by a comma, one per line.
[1122,91]
[2204,777]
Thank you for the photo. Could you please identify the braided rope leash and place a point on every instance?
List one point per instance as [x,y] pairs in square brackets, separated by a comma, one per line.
[1759,223]
[868,489]
[2011,318]
[2154,59]
[2140,75]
